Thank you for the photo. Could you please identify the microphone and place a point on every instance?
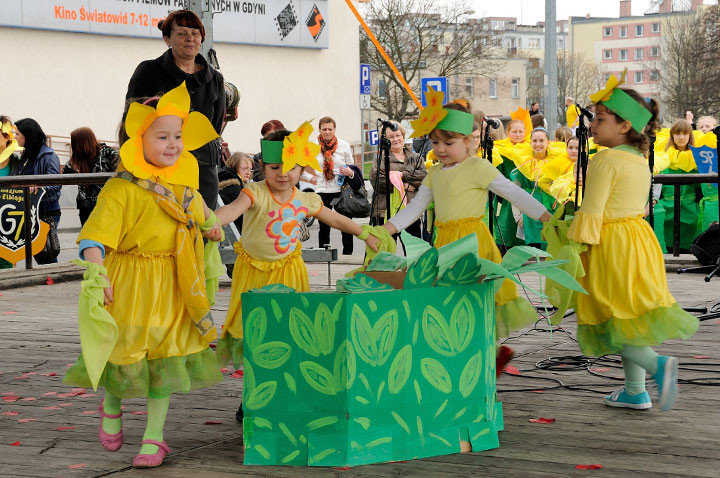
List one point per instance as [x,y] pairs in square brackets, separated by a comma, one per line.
[586,113]
[389,124]
[494,123]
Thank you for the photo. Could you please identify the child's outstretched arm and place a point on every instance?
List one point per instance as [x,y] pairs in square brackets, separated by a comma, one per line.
[345,224]
[215,232]
[227,214]
[519,198]
[407,216]
[95,254]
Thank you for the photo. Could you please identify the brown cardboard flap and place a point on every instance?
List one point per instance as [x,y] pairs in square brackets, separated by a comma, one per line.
[394,279]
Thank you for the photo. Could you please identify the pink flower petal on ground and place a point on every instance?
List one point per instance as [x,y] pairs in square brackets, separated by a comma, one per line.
[538,391]
[701,356]
[49,281]
[51,374]
[512,370]
[542,420]
[6,393]
[224,370]
[213,422]
[237,374]
[62,429]
[78,390]
[10,398]
[26,420]
[28,399]
[601,369]
[588,467]
[77,466]
[69,364]
[49,394]
[139,412]
[10,312]
[17,443]
[89,412]
[65,404]
[11,414]
[87,395]
[51,408]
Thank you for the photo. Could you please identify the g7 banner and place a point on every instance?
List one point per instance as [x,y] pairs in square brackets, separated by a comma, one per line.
[12,224]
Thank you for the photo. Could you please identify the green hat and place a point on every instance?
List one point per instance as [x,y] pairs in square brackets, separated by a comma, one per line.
[622,104]
[457,122]
[271,151]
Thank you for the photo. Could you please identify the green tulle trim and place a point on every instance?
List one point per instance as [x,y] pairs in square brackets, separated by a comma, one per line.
[159,377]
[651,329]
[514,315]
[229,348]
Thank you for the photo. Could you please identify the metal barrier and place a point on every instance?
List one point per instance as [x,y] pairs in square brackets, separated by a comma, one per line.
[678,180]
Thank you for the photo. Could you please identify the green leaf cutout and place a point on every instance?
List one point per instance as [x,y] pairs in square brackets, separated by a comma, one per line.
[471,375]
[260,396]
[290,380]
[465,271]
[400,369]
[385,333]
[319,378]
[303,332]
[271,354]
[462,324]
[519,255]
[360,283]
[493,271]
[436,375]
[344,366]
[274,289]
[324,329]
[437,332]
[255,327]
[423,272]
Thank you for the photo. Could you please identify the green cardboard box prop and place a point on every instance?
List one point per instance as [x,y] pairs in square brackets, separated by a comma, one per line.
[372,374]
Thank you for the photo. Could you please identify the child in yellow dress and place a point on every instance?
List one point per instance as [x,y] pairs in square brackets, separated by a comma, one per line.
[628,308]
[145,231]
[459,185]
[273,209]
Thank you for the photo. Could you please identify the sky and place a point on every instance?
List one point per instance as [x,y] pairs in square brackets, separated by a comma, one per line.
[530,12]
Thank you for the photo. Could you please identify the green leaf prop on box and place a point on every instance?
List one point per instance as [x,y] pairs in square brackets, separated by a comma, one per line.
[370,373]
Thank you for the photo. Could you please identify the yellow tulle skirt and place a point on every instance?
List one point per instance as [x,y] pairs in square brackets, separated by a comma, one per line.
[511,312]
[248,274]
[628,300]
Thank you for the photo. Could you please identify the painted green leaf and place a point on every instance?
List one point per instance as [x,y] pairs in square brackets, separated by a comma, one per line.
[262,422]
[363,422]
[263,451]
[465,271]
[290,380]
[324,329]
[290,457]
[322,422]
[255,327]
[261,395]
[318,377]
[436,331]
[400,369]
[470,375]
[248,378]
[360,283]
[344,365]
[436,375]
[363,337]
[288,434]
[403,424]
[423,272]
[303,332]
[385,334]
[276,309]
[271,354]
[462,324]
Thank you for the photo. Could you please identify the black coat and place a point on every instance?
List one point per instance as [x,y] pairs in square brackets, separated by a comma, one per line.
[206,88]
[230,186]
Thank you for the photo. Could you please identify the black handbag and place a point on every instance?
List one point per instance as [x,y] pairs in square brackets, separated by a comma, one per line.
[52,244]
[352,202]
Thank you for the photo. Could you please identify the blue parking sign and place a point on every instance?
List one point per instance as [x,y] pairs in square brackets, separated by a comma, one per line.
[364,79]
[373,137]
[438,84]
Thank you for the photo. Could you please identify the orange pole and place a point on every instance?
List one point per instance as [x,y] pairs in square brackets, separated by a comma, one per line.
[383,53]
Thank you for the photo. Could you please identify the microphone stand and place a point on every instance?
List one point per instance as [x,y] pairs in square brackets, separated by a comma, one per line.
[384,151]
[580,172]
[487,149]
[651,163]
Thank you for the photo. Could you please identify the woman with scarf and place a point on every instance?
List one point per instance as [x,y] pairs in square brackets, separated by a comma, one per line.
[335,158]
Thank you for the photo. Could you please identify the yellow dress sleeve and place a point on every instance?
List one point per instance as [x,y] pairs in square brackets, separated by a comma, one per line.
[589,219]
[484,172]
[312,201]
[105,224]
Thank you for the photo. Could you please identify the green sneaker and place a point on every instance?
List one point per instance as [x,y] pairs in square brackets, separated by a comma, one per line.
[666,379]
[622,399]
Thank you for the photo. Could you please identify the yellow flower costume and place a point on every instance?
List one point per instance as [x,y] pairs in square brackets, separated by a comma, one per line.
[148,219]
[270,250]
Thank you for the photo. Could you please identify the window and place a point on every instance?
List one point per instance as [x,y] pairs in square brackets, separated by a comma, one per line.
[655,51]
[623,55]
[469,87]
[638,77]
[382,88]
[623,32]
[492,90]
[654,75]
[608,54]
[639,30]
[639,53]
[498,25]
[516,87]
[608,31]
[534,43]
[656,28]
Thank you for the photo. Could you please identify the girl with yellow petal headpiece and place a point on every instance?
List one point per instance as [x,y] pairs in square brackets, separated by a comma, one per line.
[273,211]
[152,337]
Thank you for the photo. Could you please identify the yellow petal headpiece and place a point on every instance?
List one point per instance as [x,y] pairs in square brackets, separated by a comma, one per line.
[295,149]
[523,115]
[431,115]
[622,104]
[196,131]
[12,145]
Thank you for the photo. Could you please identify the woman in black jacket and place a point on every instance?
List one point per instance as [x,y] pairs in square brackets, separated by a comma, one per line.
[184,33]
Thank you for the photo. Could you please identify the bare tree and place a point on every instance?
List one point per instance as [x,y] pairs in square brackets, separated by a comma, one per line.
[688,69]
[578,77]
[423,38]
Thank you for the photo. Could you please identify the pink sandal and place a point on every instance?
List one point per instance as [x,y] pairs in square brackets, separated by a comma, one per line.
[151,461]
[109,441]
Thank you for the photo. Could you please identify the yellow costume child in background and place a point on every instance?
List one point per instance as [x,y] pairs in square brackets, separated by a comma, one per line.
[628,308]
[147,223]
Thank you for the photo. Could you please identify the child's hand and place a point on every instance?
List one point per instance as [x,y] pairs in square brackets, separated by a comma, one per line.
[689,116]
[108,291]
[545,217]
[214,233]
[372,242]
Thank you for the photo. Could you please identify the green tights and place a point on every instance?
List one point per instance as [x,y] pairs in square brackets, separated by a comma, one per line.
[636,361]
[157,408]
